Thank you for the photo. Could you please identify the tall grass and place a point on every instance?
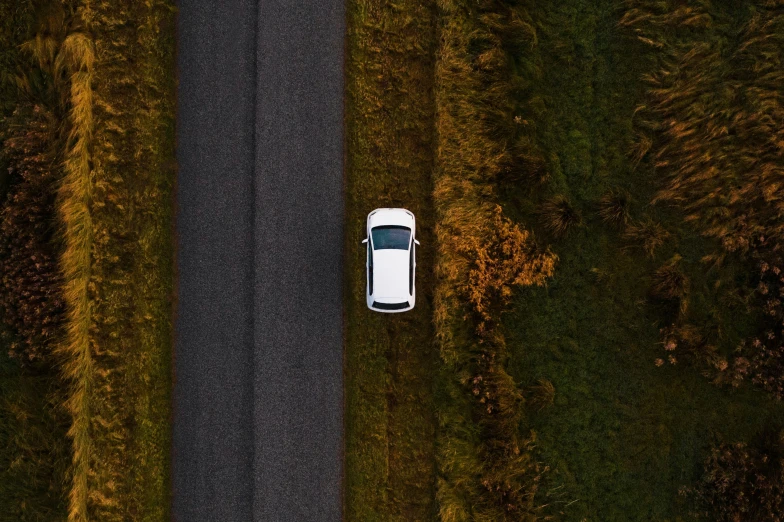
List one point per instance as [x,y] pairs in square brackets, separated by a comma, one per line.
[487,469]
[74,198]
[712,126]
[716,108]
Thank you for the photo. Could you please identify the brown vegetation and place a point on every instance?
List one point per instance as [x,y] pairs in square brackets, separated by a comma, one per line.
[30,293]
[742,482]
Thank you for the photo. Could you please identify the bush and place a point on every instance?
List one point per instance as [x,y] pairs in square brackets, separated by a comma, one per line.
[505,256]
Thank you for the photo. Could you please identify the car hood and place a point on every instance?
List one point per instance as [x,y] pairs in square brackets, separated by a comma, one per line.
[390,274]
[391,216]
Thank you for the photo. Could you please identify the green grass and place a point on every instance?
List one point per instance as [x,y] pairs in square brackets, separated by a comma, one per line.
[34,450]
[623,434]
[390,359]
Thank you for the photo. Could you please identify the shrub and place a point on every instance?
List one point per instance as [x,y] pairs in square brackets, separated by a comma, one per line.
[614,207]
[559,215]
[503,257]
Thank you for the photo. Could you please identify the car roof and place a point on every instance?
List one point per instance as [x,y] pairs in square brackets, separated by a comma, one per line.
[390,274]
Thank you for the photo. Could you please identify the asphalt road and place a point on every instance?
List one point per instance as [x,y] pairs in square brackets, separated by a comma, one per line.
[258,394]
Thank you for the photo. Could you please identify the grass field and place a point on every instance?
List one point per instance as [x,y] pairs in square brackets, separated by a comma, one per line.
[390,359]
[105,74]
[623,435]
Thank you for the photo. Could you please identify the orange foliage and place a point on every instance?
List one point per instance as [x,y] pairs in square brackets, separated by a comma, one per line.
[504,257]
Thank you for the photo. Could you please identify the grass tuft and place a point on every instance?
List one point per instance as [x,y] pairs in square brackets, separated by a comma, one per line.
[541,395]
[559,215]
[614,207]
[647,234]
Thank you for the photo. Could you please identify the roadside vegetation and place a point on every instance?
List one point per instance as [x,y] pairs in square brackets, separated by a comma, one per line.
[389,359]
[87,262]
[606,298]
[487,470]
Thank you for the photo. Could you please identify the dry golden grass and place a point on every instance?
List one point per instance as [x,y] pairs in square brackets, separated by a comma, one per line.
[73,205]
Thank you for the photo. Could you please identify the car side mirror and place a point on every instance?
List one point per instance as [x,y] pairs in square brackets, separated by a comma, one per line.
[364,241]
[415,241]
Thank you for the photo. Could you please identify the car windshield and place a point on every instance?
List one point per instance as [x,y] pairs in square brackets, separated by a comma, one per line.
[391,236]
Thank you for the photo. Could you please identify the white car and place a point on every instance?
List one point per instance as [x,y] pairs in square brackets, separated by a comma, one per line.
[391,260]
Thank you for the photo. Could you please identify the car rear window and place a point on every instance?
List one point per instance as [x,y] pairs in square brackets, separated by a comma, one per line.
[390,306]
[391,236]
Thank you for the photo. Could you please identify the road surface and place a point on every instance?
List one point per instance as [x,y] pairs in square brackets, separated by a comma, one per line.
[258,400]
